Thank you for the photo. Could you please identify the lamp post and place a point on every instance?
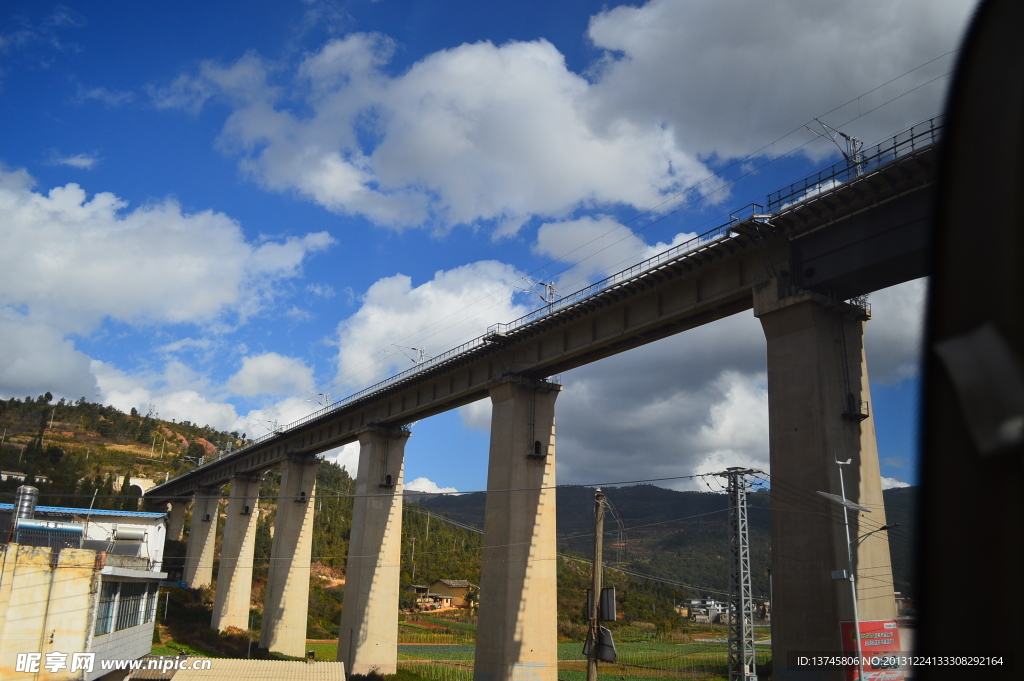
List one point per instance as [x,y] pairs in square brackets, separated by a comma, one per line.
[847,506]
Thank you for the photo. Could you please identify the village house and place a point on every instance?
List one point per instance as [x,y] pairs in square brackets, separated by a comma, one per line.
[458,591]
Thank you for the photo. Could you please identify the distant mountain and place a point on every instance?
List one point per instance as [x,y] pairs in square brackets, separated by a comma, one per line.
[682,536]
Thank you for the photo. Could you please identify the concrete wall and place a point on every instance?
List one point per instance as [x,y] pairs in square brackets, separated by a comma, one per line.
[47,604]
[517,633]
[368,636]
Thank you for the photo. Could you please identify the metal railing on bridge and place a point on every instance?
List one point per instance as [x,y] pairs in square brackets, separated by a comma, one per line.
[903,143]
[915,138]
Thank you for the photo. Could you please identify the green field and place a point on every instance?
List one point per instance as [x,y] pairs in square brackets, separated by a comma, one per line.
[441,649]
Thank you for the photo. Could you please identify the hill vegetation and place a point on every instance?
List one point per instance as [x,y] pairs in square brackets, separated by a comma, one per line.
[86,451]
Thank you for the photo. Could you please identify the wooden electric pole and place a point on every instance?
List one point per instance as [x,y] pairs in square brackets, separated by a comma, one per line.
[595,598]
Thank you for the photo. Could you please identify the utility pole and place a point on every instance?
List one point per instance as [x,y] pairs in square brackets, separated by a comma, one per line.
[742,656]
[413,560]
[595,599]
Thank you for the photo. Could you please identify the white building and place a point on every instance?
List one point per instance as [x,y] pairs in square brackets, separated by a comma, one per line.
[78,581]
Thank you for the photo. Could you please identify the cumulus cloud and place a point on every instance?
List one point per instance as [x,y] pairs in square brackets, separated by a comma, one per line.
[272,374]
[35,357]
[680,406]
[453,307]
[72,260]
[475,133]
[176,393]
[892,339]
[498,134]
[891,483]
[346,456]
[428,486]
[771,66]
[595,246]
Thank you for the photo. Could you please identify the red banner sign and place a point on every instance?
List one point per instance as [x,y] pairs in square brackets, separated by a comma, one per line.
[880,648]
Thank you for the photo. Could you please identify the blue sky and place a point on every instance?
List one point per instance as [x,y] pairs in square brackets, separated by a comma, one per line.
[221,210]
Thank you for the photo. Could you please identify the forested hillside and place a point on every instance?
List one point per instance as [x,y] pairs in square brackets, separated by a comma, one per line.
[85,451]
[682,536]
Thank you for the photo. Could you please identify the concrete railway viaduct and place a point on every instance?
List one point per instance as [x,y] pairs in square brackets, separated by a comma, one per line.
[801,262]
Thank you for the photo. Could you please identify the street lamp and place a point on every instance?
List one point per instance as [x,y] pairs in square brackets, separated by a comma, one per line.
[847,506]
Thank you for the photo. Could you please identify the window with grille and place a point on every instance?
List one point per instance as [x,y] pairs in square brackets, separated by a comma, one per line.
[129,608]
[105,615]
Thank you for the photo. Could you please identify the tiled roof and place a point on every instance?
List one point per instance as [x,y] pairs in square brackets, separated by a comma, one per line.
[455,583]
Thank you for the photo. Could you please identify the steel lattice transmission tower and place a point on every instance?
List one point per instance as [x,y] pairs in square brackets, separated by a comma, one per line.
[742,657]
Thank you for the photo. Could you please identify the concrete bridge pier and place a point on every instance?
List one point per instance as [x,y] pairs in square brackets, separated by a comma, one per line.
[176,518]
[819,412]
[517,632]
[286,603]
[234,578]
[202,536]
[368,636]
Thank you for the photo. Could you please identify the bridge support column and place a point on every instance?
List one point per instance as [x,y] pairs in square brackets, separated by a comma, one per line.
[517,632]
[287,599]
[817,413]
[176,519]
[234,578]
[368,636]
[202,536]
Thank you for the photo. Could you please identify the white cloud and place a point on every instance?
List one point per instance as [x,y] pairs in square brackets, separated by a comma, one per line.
[474,133]
[80,161]
[177,393]
[428,486]
[476,415]
[35,358]
[453,307]
[489,134]
[346,456]
[730,76]
[891,483]
[680,406]
[272,374]
[892,339]
[70,260]
[595,246]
